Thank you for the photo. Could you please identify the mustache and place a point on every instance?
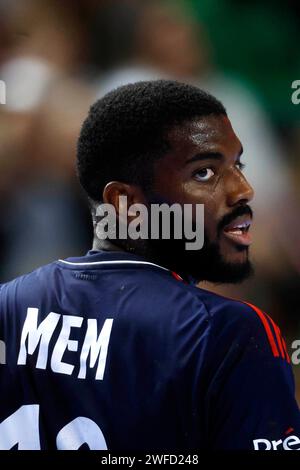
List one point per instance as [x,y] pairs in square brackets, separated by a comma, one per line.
[240,210]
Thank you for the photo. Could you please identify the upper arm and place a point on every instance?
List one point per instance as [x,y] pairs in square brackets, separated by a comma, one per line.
[251,392]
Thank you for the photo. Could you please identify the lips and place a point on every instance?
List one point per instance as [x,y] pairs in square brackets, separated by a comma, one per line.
[238,230]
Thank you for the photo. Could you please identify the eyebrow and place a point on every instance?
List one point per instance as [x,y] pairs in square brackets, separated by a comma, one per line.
[209,156]
[205,156]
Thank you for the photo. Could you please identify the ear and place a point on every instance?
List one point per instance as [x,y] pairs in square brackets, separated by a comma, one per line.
[122,196]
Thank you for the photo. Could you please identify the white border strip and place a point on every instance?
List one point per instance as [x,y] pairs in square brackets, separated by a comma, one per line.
[113,262]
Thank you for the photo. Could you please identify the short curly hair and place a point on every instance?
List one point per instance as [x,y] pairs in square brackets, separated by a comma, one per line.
[125,131]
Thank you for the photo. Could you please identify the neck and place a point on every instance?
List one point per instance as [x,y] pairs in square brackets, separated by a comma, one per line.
[143,250]
[105,245]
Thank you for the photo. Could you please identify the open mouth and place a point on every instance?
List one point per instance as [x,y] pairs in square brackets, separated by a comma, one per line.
[238,231]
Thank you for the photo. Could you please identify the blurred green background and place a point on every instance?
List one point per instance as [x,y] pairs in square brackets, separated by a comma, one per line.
[57,57]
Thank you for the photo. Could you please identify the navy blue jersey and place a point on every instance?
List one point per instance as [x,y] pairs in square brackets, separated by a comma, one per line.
[110,351]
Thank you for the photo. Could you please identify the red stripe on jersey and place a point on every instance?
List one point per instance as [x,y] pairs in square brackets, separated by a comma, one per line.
[179,278]
[288,431]
[267,329]
[278,335]
[280,340]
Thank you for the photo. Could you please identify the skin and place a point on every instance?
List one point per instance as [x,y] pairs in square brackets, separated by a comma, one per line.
[175,179]
[202,166]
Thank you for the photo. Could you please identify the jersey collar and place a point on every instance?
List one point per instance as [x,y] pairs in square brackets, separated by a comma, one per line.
[94,259]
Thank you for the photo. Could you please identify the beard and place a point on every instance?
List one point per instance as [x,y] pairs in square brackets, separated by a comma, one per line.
[206,264]
[212,266]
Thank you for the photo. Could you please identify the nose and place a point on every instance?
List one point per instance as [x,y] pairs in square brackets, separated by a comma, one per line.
[238,190]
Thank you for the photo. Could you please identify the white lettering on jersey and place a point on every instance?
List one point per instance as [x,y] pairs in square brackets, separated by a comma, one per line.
[36,334]
[15,430]
[95,345]
[287,443]
[64,343]
[79,431]
[21,429]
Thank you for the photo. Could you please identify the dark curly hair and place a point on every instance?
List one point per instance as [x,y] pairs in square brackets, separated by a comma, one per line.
[125,131]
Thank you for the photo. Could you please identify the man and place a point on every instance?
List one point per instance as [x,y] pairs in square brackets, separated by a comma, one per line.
[118,349]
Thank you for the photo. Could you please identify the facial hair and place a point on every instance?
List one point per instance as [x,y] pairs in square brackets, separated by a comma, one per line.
[206,264]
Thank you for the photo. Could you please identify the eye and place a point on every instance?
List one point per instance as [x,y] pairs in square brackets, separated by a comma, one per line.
[240,165]
[204,174]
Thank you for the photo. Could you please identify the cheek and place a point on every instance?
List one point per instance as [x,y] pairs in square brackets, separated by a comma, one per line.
[214,212]
[193,194]
[210,222]
[210,214]
[169,188]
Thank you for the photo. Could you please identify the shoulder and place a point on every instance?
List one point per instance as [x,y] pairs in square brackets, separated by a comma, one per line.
[239,322]
[29,285]
[246,325]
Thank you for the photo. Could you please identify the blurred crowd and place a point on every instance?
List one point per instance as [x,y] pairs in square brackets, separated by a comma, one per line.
[58,57]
